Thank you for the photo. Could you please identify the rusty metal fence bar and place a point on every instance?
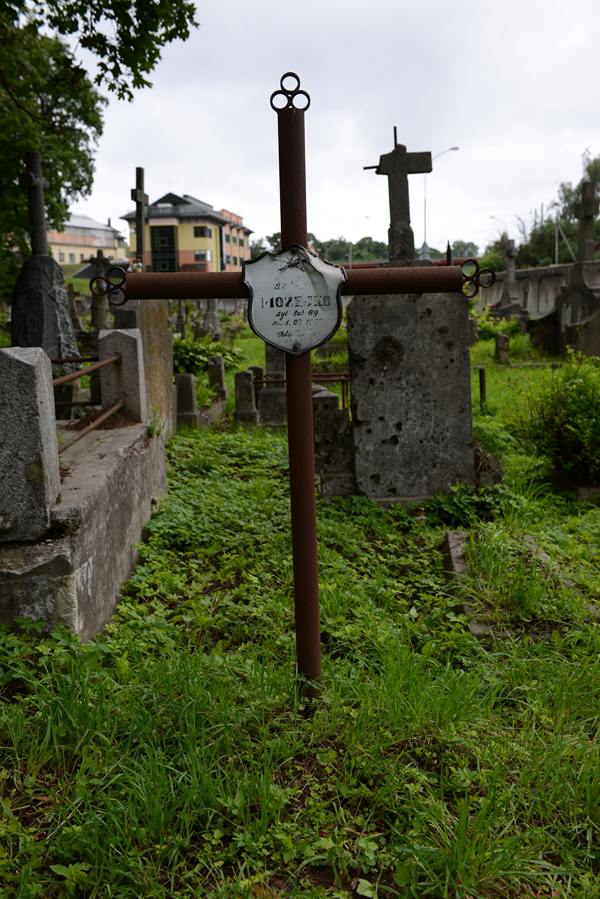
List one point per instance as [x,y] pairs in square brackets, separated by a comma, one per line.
[74,375]
[93,425]
[74,359]
[324,377]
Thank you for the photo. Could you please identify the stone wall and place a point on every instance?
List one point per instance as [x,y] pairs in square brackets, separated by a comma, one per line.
[538,288]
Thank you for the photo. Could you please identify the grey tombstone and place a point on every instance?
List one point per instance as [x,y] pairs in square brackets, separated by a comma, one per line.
[272,402]
[502,343]
[257,375]
[211,322]
[411,395]
[124,380]
[509,305]
[587,212]
[40,309]
[187,407]
[40,303]
[245,404]
[152,319]
[216,376]
[334,456]
[29,470]
[398,165]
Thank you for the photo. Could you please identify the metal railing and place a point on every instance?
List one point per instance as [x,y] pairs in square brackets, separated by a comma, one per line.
[320,377]
[96,365]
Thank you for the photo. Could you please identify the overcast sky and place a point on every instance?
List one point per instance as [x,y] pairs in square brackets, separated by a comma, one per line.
[514,85]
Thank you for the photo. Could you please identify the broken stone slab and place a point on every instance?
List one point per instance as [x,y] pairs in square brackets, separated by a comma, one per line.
[29,469]
[112,482]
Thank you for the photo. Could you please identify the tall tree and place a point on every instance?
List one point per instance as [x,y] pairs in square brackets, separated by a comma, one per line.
[47,102]
[125,36]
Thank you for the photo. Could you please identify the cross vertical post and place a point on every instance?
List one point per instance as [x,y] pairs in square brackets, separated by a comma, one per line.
[292,198]
[140,199]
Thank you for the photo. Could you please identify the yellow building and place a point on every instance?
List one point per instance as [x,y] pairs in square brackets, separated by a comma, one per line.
[82,237]
[185,234]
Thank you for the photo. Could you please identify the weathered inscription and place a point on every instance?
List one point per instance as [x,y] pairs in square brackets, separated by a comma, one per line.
[294,302]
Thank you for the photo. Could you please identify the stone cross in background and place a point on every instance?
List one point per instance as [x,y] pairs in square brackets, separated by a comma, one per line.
[587,212]
[398,165]
[40,304]
[141,201]
[152,318]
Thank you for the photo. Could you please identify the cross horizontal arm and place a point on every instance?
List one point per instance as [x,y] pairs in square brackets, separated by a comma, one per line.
[229,285]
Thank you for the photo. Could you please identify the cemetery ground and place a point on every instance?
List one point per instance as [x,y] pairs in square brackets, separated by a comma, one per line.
[172,755]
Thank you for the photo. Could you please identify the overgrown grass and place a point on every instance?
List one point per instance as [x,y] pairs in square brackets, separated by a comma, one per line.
[172,756]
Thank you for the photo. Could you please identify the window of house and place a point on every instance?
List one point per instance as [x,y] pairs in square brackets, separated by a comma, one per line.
[202,231]
[227,238]
[71,257]
[81,257]
[241,242]
[228,260]
[61,256]
[203,255]
[234,260]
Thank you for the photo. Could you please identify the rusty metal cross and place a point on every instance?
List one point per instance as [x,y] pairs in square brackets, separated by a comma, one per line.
[290,104]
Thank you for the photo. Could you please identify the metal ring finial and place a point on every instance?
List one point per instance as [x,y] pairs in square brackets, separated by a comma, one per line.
[111,285]
[475,277]
[286,96]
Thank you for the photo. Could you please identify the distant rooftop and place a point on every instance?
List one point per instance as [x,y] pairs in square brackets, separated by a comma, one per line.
[182,207]
[84,221]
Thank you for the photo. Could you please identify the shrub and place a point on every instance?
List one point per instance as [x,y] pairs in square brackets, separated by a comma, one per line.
[191,355]
[488,326]
[564,422]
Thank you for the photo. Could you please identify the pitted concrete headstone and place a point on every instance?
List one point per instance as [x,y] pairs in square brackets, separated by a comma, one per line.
[411,395]
[29,470]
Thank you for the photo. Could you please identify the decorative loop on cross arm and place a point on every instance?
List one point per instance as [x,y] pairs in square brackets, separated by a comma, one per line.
[110,285]
[286,96]
[475,277]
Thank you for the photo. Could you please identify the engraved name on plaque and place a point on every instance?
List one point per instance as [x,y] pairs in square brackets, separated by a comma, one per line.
[295,302]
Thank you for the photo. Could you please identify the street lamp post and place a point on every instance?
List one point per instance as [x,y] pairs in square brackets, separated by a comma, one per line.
[441,153]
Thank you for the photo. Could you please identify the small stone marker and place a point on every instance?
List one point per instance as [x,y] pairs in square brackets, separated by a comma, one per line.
[245,403]
[125,379]
[502,342]
[29,470]
[187,407]
[216,376]
[271,398]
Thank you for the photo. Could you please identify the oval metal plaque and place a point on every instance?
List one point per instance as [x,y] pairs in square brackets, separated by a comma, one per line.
[295,300]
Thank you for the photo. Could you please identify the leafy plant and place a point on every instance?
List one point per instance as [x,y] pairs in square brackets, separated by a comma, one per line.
[191,355]
[564,419]
[488,326]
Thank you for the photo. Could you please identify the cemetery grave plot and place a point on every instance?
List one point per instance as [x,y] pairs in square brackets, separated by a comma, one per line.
[166,756]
